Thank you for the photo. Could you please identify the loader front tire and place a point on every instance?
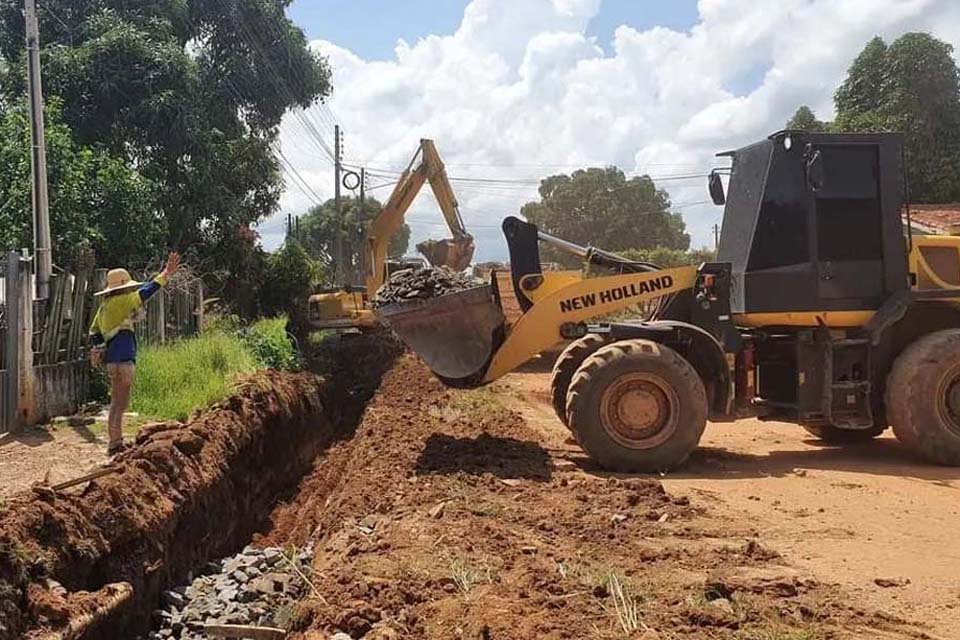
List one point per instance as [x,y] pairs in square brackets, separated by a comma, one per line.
[637,406]
[923,397]
[566,367]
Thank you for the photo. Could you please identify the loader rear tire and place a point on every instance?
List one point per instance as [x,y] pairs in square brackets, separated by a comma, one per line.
[637,406]
[566,367]
[835,435]
[923,397]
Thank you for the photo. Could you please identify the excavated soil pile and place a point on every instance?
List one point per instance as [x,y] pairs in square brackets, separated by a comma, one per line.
[183,495]
[410,284]
[445,518]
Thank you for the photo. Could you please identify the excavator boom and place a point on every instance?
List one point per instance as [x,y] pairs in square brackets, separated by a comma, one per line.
[349,309]
[455,252]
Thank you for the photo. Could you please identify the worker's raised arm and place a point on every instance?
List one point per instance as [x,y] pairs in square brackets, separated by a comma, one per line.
[160,280]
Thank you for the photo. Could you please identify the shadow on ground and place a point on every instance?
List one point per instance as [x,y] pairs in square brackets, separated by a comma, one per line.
[502,457]
[31,437]
[883,457]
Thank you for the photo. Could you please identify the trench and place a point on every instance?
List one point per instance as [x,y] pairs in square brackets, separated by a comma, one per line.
[185,495]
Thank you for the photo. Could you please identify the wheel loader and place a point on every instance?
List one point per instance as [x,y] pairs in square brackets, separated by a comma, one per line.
[348,306]
[822,309]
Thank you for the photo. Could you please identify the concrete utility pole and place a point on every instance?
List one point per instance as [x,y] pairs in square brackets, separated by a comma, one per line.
[38,157]
[716,237]
[337,169]
[363,188]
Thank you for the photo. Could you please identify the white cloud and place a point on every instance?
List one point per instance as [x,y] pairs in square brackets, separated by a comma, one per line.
[519,91]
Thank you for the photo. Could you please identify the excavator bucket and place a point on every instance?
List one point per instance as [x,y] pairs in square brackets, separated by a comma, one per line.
[454,334]
[455,253]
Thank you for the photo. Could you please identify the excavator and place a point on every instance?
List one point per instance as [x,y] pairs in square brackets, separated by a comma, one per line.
[348,307]
[822,309]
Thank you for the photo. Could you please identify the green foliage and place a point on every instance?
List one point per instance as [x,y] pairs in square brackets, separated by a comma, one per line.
[189,93]
[601,207]
[865,86]
[805,120]
[911,86]
[99,206]
[319,228]
[242,272]
[272,346]
[666,257]
[175,379]
[290,277]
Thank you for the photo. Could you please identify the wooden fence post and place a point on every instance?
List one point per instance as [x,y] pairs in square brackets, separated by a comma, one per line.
[199,315]
[161,320]
[27,403]
[12,359]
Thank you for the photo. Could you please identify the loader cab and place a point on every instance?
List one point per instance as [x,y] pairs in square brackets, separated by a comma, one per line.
[812,223]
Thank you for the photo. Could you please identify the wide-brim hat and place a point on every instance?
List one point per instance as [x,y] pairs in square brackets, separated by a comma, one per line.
[118,281]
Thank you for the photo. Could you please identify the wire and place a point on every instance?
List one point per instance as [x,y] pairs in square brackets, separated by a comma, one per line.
[276,78]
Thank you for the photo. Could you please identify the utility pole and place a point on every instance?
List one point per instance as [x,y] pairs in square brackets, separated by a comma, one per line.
[716,237]
[337,169]
[38,157]
[363,187]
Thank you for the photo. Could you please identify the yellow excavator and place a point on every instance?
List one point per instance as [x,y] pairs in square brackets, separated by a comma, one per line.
[348,307]
[823,309]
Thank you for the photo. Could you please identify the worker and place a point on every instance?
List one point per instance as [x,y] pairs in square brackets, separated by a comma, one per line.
[114,342]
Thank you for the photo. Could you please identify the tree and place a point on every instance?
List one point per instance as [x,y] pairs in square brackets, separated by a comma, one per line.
[290,276]
[319,228]
[667,258]
[865,86]
[912,86]
[805,120]
[189,93]
[601,207]
[101,209]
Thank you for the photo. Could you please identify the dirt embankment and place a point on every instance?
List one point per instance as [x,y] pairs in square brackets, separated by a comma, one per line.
[183,495]
[444,517]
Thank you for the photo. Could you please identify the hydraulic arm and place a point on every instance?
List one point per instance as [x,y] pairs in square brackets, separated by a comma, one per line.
[455,252]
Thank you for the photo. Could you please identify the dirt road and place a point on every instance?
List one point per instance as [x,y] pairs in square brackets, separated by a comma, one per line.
[856,515]
[50,454]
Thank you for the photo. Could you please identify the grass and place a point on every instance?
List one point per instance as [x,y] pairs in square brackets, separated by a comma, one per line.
[474,404]
[270,343]
[466,575]
[625,604]
[175,379]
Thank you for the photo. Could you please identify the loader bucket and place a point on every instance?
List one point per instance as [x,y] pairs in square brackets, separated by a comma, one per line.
[451,252]
[454,334]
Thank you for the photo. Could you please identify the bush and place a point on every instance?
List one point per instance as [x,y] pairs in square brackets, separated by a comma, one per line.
[175,379]
[271,345]
[290,276]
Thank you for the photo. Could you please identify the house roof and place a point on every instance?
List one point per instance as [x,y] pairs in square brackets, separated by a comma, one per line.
[940,219]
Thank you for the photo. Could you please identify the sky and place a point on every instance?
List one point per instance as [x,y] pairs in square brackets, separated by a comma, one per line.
[515,90]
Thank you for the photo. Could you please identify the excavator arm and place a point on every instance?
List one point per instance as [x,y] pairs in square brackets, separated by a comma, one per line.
[456,252]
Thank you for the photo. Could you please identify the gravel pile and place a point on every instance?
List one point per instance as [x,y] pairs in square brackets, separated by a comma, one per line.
[252,587]
[410,284]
